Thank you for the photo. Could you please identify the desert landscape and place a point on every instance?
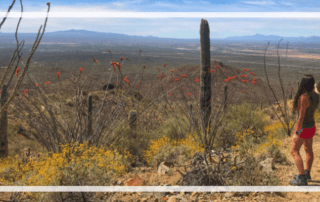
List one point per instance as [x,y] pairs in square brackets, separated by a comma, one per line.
[87,111]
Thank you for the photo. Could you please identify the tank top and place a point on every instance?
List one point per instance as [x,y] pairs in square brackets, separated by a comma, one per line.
[308,121]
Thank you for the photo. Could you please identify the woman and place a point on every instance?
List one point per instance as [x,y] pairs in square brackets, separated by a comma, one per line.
[305,102]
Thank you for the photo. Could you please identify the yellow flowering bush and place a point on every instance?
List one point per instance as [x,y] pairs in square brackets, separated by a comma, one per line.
[76,163]
[165,149]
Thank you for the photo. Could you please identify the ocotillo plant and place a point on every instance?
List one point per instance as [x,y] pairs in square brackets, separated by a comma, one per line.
[205,76]
[3,124]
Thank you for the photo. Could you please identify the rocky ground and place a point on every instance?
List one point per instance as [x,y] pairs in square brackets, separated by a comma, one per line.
[151,177]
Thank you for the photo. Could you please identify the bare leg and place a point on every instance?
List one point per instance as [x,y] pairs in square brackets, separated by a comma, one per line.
[309,153]
[295,147]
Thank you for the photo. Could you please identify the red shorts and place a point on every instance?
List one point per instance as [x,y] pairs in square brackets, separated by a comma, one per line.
[307,133]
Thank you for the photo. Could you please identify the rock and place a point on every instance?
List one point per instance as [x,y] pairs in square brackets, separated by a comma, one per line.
[146,199]
[146,194]
[229,194]
[267,165]
[133,182]
[164,198]
[281,194]
[172,199]
[159,194]
[182,198]
[163,169]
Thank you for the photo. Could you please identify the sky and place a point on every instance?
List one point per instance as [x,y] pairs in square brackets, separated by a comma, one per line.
[168,27]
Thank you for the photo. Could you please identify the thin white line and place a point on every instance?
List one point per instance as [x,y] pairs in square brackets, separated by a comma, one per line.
[159,188]
[290,15]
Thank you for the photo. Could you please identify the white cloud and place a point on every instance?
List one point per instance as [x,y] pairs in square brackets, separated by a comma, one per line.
[259,2]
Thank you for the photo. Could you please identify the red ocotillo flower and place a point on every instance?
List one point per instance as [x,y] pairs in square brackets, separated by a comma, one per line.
[165,65]
[186,88]
[37,85]
[243,91]
[243,75]
[81,70]
[183,75]
[197,80]
[189,94]
[121,58]
[140,51]
[254,81]
[17,71]
[234,77]
[226,80]
[218,66]
[47,82]
[107,98]
[177,79]
[48,3]
[171,70]
[140,81]
[171,93]
[58,75]
[245,70]
[252,73]
[126,79]
[144,65]
[71,72]
[244,81]
[20,59]
[24,92]
[118,64]
[127,59]
[109,51]
[136,86]
[113,65]
[94,60]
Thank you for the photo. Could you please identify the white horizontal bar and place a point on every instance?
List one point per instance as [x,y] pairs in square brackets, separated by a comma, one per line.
[311,15]
[159,188]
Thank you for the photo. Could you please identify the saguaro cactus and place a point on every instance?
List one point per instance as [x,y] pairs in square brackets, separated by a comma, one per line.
[225,96]
[132,119]
[89,116]
[3,124]
[205,76]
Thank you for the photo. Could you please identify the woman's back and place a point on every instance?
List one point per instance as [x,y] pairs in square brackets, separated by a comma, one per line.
[308,121]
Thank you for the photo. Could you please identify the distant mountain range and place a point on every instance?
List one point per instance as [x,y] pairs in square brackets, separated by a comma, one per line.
[85,36]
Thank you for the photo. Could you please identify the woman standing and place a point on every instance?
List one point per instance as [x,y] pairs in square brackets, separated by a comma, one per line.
[305,102]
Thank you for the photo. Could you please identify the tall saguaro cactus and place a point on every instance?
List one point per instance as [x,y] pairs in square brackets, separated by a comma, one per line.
[205,76]
[3,124]
[89,116]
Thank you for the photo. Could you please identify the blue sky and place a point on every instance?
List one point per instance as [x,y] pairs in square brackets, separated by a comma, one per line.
[170,27]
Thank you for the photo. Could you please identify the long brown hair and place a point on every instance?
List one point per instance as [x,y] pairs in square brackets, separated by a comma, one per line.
[306,86]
